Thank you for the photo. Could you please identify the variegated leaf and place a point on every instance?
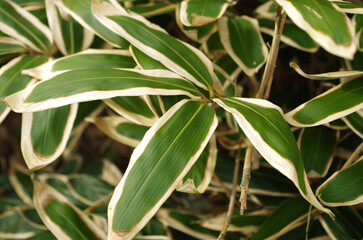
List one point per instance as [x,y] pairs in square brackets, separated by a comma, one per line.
[61,217]
[44,134]
[242,40]
[263,124]
[81,11]
[171,143]
[10,45]
[199,176]
[152,9]
[4,111]
[333,104]
[144,61]
[344,187]
[348,7]
[21,182]
[358,23]
[121,129]
[355,122]
[178,56]
[82,85]
[18,23]
[330,28]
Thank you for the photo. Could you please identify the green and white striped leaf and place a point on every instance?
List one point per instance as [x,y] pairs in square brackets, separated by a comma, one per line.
[178,56]
[291,35]
[121,129]
[152,9]
[133,108]
[81,11]
[242,40]
[164,156]
[61,217]
[358,23]
[44,134]
[82,85]
[200,175]
[4,111]
[144,61]
[327,76]
[195,13]
[18,23]
[186,223]
[288,215]
[330,28]
[267,10]
[348,7]
[346,225]
[265,127]
[21,182]
[69,35]
[355,122]
[344,187]
[333,104]
[11,78]
[10,45]
[90,58]
[14,226]
[213,46]
[317,146]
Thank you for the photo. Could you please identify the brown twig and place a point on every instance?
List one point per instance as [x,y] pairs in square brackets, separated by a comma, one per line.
[232,199]
[246,176]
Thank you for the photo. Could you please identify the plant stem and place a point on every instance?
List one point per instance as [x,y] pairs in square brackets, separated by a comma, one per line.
[246,176]
[232,199]
[268,74]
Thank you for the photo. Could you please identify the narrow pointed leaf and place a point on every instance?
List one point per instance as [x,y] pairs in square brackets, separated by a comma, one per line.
[344,187]
[358,22]
[21,183]
[4,111]
[82,85]
[164,156]
[91,58]
[133,108]
[327,26]
[121,130]
[242,40]
[69,35]
[152,9]
[45,134]
[200,175]
[11,78]
[263,124]
[327,76]
[267,10]
[288,215]
[201,12]
[291,35]
[180,57]
[81,11]
[333,104]
[144,61]
[348,7]
[61,217]
[355,122]
[25,27]
[10,45]
[317,146]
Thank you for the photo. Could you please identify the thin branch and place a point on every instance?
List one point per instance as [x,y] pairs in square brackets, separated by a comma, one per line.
[232,199]
[246,179]
[268,74]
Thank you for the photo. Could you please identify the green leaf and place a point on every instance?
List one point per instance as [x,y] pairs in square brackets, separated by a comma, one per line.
[242,40]
[344,187]
[121,129]
[69,35]
[10,45]
[61,217]
[178,56]
[173,144]
[133,108]
[96,83]
[21,182]
[144,61]
[327,26]
[81,11]
[263,124]
[288,215]
[333,104]
[25,27]
[355,122]
[152,9]
[11,78]
[4,111]
[201,12]
[317,146]
[358,23]
[291,35]
[200,175]
[348,7]
[44,134]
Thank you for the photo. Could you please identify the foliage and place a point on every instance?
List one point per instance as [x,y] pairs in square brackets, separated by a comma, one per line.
[192,102]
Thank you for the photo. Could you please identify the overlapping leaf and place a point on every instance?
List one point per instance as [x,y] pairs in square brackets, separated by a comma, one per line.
[355,122]
[348,7]
[163,157]
[333,104]
[21,183]
[152,9]
[10,45]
